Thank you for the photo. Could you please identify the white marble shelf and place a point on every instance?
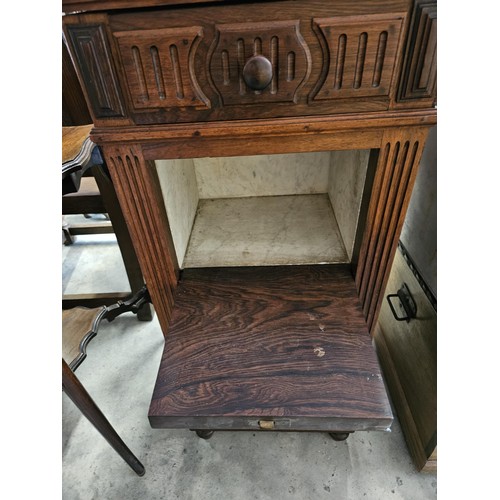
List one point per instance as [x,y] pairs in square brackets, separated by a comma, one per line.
[265,231]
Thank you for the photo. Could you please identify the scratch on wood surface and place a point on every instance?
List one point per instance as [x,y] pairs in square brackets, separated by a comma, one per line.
[319,351]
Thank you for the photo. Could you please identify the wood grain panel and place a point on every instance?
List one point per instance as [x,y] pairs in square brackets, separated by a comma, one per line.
[340,7]
[359,55]
[285,342]
[394,178]
[91,5]
[159,67]
[138,191]
[238,138]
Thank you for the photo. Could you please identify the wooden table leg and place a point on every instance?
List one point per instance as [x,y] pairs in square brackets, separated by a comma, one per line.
[123,238]
[78,394]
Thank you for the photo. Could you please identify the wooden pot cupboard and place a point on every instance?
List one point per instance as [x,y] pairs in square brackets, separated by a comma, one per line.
[264,155]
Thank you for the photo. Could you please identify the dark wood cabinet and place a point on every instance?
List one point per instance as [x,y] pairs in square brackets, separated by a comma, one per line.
[185,65]
[282,140]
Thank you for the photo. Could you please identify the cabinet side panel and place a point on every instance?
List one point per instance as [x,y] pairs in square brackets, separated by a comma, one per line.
[180,193]
[419,234]
[413,349]
[347,178]
[408,354]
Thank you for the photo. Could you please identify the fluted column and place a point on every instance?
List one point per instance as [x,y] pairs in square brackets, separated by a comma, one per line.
[140,198]
[400,152]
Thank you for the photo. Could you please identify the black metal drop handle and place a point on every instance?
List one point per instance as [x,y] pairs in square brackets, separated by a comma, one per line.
[407,301]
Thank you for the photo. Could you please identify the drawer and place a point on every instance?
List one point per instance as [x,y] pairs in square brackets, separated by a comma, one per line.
[255,61]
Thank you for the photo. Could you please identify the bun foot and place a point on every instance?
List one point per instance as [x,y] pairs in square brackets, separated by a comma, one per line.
[204,433]
[339,436]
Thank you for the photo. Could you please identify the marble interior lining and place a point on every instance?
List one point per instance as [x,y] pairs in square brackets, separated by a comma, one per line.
[254,227]
[263,175]
[346,184]
[270,230]
[180,193]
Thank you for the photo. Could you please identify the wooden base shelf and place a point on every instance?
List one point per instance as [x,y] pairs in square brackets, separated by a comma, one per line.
[285,348]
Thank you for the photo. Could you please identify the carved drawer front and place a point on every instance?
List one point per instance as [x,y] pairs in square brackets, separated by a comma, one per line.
[278,47]
[359,55]
[160,67]
[234,62]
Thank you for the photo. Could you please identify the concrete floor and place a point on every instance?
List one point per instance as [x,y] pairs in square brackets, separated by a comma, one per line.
[120,372]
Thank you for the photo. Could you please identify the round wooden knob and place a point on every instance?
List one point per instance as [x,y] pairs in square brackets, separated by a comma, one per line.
[258,72]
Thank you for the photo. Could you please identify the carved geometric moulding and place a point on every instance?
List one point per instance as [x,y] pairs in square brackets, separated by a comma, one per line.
[159,67]
[359,55]
[94,59]
[279,42]
[420,66]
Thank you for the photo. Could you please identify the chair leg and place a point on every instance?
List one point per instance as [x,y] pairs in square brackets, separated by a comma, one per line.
[145,313]
[123,238]
[68,238]
[78,394]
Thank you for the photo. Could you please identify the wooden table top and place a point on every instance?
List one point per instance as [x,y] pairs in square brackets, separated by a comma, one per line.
[72,141]
[69,6]
[270,342]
